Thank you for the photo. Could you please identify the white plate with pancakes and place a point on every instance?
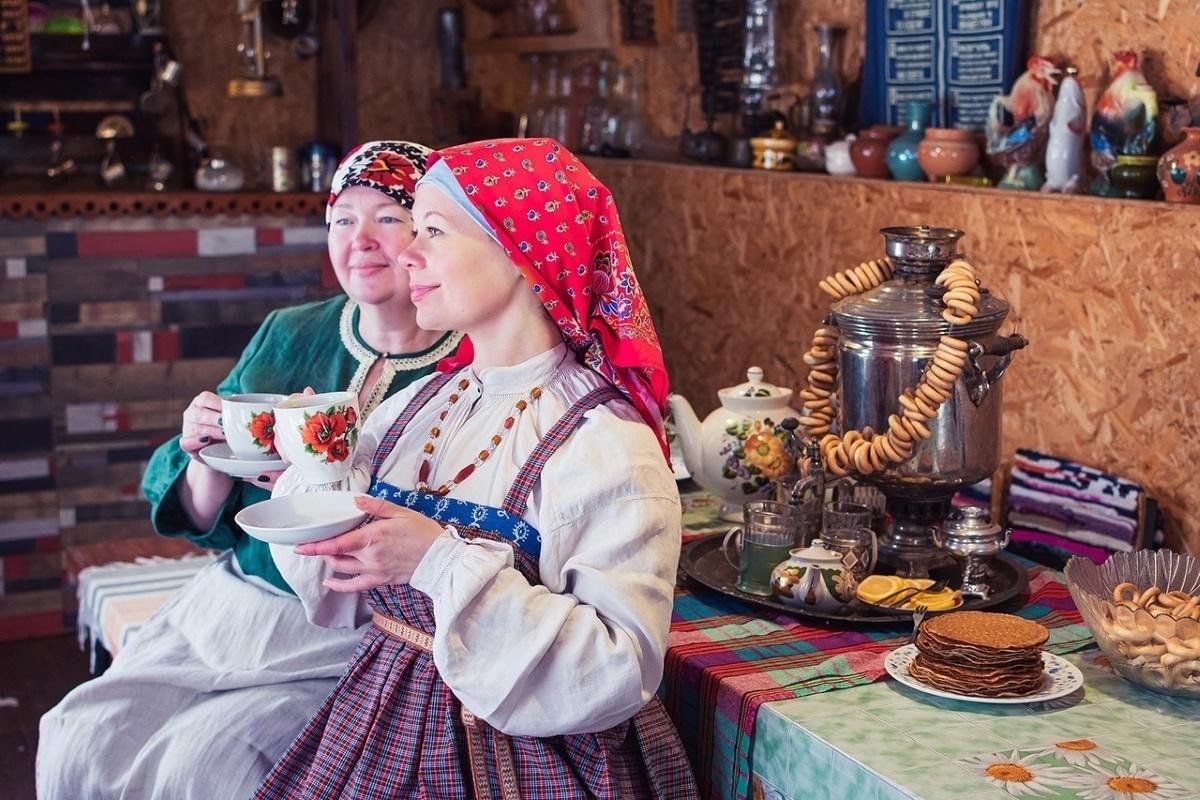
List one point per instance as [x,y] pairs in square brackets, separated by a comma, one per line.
[1059,678]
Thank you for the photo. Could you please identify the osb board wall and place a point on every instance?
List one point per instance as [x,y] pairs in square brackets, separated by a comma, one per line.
[1102,288]
[1079,32]
[397,65]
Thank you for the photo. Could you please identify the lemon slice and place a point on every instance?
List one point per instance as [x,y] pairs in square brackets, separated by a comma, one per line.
[876,587]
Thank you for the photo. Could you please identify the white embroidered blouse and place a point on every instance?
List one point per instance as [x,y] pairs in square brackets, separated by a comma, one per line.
[582,652]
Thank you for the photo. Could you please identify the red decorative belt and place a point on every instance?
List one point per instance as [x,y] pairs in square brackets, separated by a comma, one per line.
[476,742]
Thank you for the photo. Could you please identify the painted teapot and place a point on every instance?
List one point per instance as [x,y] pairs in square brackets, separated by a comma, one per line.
[813,578]
[742,447]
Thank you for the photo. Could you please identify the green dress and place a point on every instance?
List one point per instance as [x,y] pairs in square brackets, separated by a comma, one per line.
[315,345]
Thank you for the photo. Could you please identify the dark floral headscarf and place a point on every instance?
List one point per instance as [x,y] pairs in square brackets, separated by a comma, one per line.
[559,225]
[389,167]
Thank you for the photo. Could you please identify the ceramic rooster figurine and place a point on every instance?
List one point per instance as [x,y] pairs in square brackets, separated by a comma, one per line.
[1125,119]
[1018,124]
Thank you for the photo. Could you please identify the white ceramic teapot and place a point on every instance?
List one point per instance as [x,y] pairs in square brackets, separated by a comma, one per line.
[813,578]
[741,448]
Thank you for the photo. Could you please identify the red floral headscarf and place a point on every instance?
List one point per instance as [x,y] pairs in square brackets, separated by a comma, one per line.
[389,167]
[559,225]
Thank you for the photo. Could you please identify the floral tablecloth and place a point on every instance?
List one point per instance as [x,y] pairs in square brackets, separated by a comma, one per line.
[1110,740]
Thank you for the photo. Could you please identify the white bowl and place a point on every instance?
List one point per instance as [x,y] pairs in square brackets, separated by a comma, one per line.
[301,518]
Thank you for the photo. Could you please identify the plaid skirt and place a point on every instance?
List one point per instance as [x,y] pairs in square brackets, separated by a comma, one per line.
[393,729]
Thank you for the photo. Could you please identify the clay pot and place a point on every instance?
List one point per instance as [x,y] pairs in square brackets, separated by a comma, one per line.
[869,151]
[1134,177]
[1179,169]
[947,151]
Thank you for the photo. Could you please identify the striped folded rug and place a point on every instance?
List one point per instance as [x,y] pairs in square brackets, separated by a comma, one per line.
[1059,508]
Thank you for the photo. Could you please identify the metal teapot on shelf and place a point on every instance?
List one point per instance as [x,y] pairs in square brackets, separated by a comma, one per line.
[741,447]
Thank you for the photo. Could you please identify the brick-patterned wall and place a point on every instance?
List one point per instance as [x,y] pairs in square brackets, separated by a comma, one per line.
[108,328]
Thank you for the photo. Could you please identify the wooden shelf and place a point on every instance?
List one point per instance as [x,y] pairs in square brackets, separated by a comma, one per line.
[593,32]
[42,205]
[917,187]
[69,106]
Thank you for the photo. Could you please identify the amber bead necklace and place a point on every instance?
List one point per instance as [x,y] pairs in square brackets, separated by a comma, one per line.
[465,472]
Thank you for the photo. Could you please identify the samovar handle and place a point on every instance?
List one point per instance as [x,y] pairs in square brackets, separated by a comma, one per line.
[979,380]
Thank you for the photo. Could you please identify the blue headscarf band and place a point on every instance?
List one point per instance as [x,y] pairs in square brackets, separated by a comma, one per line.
[442,177]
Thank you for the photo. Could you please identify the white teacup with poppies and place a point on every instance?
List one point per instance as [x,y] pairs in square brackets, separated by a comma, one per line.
[317,433]
[248,422]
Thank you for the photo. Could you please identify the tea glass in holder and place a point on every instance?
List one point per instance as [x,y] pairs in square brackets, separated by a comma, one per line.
[798,492]
[859,549]
[768,532]
[843,515]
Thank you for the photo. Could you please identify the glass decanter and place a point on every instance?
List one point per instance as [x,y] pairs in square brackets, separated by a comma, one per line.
[826,93]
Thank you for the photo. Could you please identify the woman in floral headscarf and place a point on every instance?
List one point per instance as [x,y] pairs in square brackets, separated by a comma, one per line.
[521,563]
[218,682]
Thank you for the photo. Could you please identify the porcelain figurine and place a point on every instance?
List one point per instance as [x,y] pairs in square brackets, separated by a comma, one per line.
[1179,169]
[1125,120]
[813,578]
[902,152]
[837,157]
[1064,150]
[741,447]
[1018,125]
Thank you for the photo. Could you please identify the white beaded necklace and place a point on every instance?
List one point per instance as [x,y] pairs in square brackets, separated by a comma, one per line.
[392,364]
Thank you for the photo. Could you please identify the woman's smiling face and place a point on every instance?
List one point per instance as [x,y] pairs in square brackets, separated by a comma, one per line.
[459,277]
[367,232]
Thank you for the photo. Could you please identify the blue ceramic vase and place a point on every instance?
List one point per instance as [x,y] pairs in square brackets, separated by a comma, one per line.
[902,152]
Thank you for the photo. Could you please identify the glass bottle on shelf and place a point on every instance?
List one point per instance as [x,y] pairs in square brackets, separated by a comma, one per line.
[558,112]
[529,124]
[629,128]
[583,91]
[533,16]
[597,113]
[758,63]
[826,94]
[546,116]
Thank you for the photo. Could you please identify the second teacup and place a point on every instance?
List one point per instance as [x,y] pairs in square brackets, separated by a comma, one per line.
[248,422]
[318,433]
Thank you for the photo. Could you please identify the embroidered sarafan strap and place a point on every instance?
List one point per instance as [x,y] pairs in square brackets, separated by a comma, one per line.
[423,396]
[531,471]
[475,727]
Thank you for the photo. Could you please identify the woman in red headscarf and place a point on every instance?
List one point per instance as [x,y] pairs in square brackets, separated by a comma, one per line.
[520,566]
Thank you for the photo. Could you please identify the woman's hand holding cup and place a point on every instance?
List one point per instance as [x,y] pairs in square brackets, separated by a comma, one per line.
[201,423]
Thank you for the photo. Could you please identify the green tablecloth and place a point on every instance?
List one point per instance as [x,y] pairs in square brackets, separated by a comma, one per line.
[884,741]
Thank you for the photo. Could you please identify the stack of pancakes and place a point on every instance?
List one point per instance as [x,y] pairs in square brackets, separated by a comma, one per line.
[980,653]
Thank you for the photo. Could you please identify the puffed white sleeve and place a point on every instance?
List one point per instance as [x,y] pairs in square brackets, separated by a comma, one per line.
[583,651]
[305,574]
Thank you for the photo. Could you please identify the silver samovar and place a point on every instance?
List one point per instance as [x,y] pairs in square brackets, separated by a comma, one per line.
[888,336]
